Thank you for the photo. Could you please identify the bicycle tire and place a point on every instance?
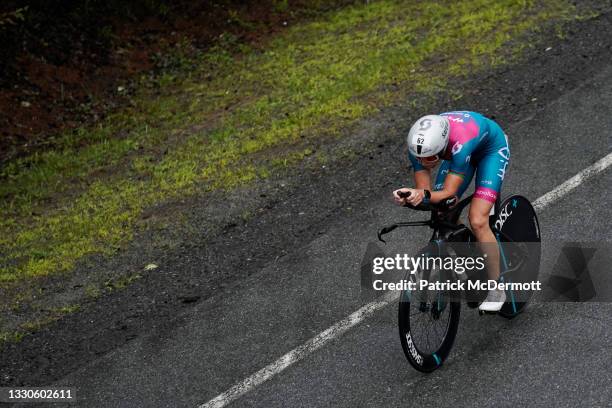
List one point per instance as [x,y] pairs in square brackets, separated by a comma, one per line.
[518,220]
[419,359]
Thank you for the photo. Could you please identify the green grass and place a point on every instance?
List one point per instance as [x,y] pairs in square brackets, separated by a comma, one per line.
[215,126]
[34,325]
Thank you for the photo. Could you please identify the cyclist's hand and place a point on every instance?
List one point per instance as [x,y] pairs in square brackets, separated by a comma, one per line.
[401,200]
[416,197]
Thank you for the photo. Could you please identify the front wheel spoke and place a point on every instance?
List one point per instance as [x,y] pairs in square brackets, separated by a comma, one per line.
[428,332]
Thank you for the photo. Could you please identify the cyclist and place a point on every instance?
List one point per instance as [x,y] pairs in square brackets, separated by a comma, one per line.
[465,143]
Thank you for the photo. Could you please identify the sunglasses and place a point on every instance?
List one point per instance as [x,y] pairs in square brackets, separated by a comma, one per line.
[429,159]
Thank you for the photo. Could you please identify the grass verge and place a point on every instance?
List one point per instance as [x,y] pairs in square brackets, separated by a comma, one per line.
[215,125]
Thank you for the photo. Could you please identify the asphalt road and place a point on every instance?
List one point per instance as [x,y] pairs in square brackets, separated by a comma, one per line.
[552,355]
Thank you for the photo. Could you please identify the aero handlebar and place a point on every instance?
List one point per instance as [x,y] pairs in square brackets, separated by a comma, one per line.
[427,205]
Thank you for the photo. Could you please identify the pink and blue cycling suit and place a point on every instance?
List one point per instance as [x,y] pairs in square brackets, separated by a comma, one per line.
[476,144]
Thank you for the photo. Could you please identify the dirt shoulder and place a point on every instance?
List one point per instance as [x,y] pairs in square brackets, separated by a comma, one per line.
[65,64]
[203,259]
[234,116]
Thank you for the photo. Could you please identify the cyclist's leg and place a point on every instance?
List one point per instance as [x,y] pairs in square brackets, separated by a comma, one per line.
[489,178]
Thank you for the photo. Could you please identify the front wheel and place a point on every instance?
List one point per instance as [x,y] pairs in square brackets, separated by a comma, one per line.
[428,323]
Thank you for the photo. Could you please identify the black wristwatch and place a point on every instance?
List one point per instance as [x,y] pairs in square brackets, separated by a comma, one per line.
[427,194]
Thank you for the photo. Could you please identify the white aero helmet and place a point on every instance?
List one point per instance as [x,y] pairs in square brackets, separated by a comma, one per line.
[428,136]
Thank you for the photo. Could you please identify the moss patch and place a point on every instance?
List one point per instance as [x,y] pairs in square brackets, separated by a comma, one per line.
[31,326]
[214,127]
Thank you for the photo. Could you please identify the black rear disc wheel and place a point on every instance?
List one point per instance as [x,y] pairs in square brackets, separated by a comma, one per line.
[517,220]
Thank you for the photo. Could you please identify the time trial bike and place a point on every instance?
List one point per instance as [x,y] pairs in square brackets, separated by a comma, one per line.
[428,319]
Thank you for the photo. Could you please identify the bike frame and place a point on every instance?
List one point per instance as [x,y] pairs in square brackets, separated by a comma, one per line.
[446,240]
[445,229]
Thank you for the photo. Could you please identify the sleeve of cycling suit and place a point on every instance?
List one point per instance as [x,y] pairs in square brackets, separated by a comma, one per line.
[415,164]
[462,154]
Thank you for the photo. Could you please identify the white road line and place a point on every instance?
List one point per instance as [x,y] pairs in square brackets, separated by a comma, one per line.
[300,352]
[573,182]
[366,311]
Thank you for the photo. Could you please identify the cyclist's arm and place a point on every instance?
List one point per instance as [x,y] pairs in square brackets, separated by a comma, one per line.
[452,183]
[422,176]
[422,179]
[459,166]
